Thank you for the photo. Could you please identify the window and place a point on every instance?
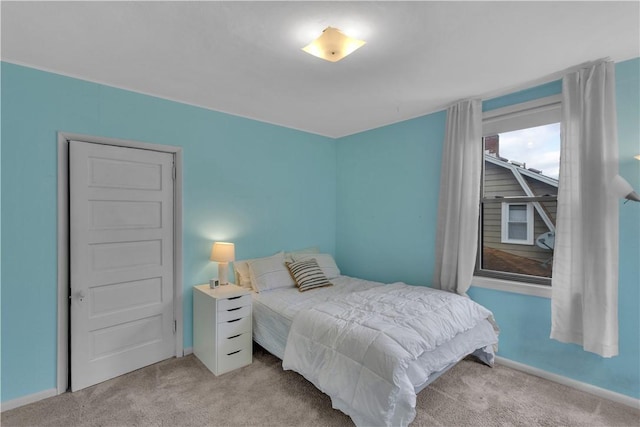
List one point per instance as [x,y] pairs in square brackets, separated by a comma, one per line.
[517,223]
[519,189]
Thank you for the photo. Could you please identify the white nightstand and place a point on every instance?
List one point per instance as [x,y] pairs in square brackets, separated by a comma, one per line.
[222,327]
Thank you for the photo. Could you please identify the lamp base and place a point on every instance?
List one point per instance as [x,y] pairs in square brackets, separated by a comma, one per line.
[223,267]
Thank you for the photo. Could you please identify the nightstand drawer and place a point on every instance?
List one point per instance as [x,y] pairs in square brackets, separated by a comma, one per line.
[233,313]
[236,359]
[234,343]
[234,327]
[234,302]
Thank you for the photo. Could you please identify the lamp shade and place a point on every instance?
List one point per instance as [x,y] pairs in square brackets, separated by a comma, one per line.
[223,252]
[622,189]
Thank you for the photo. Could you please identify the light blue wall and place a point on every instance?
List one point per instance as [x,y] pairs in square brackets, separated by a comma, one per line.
[371,198]
[388,184]
[264,187]
[388,200]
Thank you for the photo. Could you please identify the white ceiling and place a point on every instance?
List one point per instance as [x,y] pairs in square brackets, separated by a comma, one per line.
[245,58]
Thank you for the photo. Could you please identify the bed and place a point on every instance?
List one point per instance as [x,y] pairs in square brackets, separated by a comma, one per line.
[371,365]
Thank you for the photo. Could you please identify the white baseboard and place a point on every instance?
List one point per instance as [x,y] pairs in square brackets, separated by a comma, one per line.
[25,400]
[187,351]
[578,385]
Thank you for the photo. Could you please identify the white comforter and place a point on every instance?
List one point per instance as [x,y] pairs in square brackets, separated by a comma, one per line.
[358,348]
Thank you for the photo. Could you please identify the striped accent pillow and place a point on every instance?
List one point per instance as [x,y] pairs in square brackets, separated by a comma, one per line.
[308,275]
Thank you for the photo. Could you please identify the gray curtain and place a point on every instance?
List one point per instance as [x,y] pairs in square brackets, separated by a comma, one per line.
[584,305]
[459,201]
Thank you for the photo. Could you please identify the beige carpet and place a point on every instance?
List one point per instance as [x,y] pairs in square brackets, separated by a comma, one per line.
[182,392]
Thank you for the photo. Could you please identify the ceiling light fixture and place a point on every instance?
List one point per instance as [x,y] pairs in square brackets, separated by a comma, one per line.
[333,45]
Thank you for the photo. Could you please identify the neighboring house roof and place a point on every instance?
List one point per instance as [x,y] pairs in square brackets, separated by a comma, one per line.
[518,170]
[497,260]
[519,173]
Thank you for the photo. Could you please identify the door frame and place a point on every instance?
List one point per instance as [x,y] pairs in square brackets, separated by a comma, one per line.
[64,260]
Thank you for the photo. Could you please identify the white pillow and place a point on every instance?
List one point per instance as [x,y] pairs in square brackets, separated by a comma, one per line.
[270,273]
[288,256]
[241,270]
[325,262]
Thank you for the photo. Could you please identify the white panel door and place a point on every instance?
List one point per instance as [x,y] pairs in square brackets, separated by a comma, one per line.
[121,234]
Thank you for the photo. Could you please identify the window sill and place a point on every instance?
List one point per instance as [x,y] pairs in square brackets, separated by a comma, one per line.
[512,286]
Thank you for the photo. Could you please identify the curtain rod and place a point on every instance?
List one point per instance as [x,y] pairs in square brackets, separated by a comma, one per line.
[531,83]
[515,88]
[543,80]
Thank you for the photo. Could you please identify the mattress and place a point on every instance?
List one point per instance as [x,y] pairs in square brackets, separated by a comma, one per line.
[273,313]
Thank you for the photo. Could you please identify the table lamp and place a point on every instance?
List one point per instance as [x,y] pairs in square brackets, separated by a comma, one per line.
[223,253]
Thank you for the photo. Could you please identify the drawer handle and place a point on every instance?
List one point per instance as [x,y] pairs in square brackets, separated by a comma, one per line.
[234,352]
[234,297]
[234,309]
[235,336]
[234,320]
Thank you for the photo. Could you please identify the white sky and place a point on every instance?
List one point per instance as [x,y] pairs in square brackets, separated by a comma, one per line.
[538,147]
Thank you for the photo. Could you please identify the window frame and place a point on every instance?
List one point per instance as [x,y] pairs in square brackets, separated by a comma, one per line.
[524,115]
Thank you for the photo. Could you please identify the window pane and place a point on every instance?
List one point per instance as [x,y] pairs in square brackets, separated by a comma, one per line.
[518,213]
[524,162]
[517,231]
[535,149]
